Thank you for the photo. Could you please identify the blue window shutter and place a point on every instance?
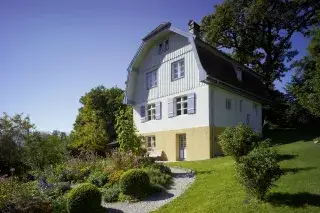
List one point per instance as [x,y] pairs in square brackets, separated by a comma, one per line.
[170,108]
[143,113]
[191,103]
[158,110]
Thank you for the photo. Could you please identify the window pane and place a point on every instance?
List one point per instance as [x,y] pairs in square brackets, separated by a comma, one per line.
[182,74]
[178,106]
[178,99]
[185,111]
[175,75]
[185,105]
[185,98]
[178,112]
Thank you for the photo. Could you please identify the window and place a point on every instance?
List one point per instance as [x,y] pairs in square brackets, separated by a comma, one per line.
[182,105]
[163,46]
[228,104]
[255,108]
[248,119]
[151,79]
[151,143]
[240,105]
[151,112]
[177,69]
[239,73]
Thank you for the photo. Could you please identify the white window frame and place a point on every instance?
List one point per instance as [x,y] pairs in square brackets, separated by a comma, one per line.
[239,73]
[163,46]
[151,112]
[255,108]
[178,67]
[240,105]
[151,142]
[183,102]
[228,104]
[152,79]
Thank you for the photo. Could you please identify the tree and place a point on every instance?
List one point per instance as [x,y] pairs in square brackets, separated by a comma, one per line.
[128,138]
[305,85]
[43,149]
[14,132]
[94,125]
[258,33]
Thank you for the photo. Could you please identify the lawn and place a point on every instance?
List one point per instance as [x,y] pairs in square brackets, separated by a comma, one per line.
[216,189]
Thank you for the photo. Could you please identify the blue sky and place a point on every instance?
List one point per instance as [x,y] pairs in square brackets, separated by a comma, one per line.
[53,52]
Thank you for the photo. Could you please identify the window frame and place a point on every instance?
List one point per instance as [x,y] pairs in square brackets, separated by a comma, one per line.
[152,81]
[228,104]
[178,69]
[240,105]
[151,111]
[183,100]
[153,144]
[163,46]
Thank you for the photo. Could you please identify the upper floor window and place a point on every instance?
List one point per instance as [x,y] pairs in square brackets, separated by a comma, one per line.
[248,119]
[177,69]
[228,103]
[239,73]
[151,79]
[151,112]
[182,105]
[163,46]
[240,105]
[151,143]
[255,108]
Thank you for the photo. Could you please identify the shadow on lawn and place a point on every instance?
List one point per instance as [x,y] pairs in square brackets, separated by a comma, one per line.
[286,136]
[294,200]
[283,157]
[160,196]
[295,170]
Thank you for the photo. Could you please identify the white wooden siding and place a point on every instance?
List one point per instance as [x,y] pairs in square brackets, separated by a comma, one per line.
[179,48]
[222,117]
[199,119]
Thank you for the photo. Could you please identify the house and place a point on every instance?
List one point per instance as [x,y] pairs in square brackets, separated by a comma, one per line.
[184,93]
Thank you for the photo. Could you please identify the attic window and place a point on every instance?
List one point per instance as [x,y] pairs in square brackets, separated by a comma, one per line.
[239,73]
[163,46]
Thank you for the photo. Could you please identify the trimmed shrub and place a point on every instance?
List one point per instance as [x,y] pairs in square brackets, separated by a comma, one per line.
[238,141]
[157,177]
[84,198]
[135,182]
[114,177]
[59,205]
[111,194]
[98,179]
[258,171]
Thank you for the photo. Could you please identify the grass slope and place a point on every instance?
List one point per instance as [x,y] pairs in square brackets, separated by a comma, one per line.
[216,189]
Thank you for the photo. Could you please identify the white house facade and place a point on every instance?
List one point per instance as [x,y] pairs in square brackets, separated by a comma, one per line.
[179,104]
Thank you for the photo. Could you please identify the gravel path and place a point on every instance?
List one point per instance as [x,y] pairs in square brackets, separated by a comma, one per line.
[182,179]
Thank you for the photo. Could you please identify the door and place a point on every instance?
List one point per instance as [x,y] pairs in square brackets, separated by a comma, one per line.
[182,146]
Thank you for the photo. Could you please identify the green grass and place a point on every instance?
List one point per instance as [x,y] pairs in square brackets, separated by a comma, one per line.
[216,189]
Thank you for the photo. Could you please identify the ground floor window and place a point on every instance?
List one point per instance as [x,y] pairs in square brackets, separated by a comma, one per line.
[151,142]
[182,138]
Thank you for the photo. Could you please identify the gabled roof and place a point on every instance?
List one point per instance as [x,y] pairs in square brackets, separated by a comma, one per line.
[221,68]
[214,66]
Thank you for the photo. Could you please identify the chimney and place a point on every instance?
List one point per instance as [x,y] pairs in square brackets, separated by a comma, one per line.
[194,28]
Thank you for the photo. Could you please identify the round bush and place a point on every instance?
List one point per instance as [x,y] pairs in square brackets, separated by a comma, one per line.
[238,141]
[259,170]
[135,182]
[84,198]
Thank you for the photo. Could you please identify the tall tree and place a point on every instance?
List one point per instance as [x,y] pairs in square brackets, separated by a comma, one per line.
[95,124]
[305,85]
[258,32]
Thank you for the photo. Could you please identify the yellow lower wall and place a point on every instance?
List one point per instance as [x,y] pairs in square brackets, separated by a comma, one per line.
[198,143]
[201,143]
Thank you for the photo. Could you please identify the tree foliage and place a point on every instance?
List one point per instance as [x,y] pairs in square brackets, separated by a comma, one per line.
[258,33]
[14,132]
[128,137]
[94,126]
[305,85]
[44,149]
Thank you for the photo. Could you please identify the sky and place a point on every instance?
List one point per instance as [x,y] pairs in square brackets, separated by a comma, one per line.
[53,52]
